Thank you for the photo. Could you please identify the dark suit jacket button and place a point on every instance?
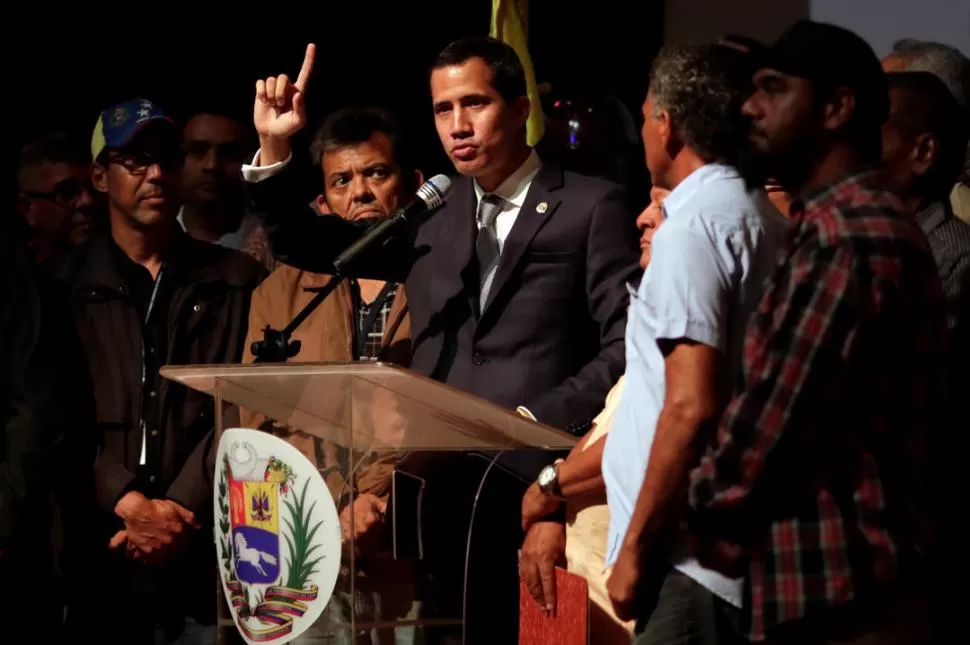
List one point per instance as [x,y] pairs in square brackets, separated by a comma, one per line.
[478,359]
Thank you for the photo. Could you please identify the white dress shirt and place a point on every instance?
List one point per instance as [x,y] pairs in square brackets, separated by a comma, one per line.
[512,191]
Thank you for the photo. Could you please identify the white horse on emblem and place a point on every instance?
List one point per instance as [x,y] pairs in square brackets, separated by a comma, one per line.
[251,555]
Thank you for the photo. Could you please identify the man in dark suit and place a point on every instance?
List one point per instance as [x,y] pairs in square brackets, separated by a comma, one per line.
[517,286]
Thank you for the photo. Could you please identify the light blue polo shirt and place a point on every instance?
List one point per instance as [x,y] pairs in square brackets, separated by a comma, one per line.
[710,259]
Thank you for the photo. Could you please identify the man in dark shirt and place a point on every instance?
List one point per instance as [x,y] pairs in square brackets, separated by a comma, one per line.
[144,294]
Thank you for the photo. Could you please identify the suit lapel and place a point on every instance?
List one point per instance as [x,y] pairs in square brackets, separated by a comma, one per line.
[539,205]
[461,225]
[458,240]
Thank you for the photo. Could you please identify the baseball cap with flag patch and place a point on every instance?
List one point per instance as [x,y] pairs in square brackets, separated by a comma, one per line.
[118,124]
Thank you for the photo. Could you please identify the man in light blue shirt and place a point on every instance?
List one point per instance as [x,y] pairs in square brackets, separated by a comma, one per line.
[684,338]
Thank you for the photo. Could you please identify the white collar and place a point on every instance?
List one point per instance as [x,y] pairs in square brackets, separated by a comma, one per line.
[516,186]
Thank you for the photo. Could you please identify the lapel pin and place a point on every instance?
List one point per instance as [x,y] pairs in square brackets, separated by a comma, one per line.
[542,207]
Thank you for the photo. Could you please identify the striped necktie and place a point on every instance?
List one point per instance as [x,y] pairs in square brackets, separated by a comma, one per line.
[486,248]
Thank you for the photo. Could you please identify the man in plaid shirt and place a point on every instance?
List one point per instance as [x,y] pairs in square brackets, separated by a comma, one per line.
[816,486]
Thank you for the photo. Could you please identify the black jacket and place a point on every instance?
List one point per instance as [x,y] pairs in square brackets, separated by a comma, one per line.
[200,316]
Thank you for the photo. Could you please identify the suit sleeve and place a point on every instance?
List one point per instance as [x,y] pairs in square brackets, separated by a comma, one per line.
[612,261]
[300,237]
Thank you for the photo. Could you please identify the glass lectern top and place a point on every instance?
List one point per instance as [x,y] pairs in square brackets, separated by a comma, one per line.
[369,406]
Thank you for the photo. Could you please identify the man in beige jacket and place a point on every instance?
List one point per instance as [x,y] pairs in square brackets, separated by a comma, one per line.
[366,176]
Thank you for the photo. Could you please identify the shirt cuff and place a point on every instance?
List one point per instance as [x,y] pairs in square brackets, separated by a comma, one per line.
[254,174]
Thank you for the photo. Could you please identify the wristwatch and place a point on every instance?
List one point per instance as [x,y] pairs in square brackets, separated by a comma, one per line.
[548,479]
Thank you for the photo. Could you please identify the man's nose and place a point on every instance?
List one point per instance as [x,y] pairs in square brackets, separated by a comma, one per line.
[749,108]
[210,161]
[460,125]
[153,172]
[360,189]
[84,200]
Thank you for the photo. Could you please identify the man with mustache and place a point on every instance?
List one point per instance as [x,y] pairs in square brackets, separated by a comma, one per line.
[516,287]
[144,294]
[367,174]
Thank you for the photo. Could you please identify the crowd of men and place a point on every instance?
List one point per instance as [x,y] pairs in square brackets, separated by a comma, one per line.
[760,367]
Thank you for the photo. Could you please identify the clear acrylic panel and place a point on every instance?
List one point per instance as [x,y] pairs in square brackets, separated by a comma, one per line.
[392,448]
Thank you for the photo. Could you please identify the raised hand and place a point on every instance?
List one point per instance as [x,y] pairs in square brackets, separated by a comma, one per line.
[279,112]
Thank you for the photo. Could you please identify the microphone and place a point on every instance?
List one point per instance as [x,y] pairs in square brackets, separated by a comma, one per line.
[431,195]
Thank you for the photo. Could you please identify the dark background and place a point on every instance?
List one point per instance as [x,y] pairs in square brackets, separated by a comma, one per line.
[66,68]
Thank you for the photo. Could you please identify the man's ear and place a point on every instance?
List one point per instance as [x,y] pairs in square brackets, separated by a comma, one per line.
[99,178]
[839,108]
[925,153]
[323,208]
[665,130]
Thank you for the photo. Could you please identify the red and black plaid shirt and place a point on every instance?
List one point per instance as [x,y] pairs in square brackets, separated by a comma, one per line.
[820,465]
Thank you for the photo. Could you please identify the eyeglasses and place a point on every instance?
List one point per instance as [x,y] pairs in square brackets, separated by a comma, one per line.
[138,163]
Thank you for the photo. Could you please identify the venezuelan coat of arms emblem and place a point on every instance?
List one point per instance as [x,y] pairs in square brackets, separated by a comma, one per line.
[277,536]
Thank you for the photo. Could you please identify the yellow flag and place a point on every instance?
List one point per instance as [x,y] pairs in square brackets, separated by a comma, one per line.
[510,25]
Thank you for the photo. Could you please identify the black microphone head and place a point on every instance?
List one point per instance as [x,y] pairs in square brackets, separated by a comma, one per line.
[435,191]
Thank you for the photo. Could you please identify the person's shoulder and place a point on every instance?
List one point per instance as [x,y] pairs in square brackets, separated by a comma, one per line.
[857,212]
[281,280]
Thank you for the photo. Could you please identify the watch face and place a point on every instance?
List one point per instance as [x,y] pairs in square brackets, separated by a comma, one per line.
[546,476]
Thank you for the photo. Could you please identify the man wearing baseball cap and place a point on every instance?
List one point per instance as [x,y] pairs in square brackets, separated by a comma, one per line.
[144,294]
[815,487]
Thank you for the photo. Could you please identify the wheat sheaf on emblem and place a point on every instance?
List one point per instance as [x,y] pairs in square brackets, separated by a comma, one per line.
[268,587]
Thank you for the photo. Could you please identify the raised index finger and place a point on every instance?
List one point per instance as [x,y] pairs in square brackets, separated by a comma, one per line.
[311,52]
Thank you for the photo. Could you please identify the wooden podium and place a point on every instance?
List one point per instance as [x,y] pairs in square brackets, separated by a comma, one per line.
[373,428]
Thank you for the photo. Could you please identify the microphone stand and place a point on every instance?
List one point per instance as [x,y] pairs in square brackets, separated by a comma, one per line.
[276,346]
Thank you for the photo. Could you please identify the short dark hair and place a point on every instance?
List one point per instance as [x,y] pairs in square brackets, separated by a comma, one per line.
[53,147]
[508,75]
[353,125]
[703,87]
[924,104]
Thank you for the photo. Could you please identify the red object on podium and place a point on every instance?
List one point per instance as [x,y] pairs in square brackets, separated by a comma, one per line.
[569,625]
